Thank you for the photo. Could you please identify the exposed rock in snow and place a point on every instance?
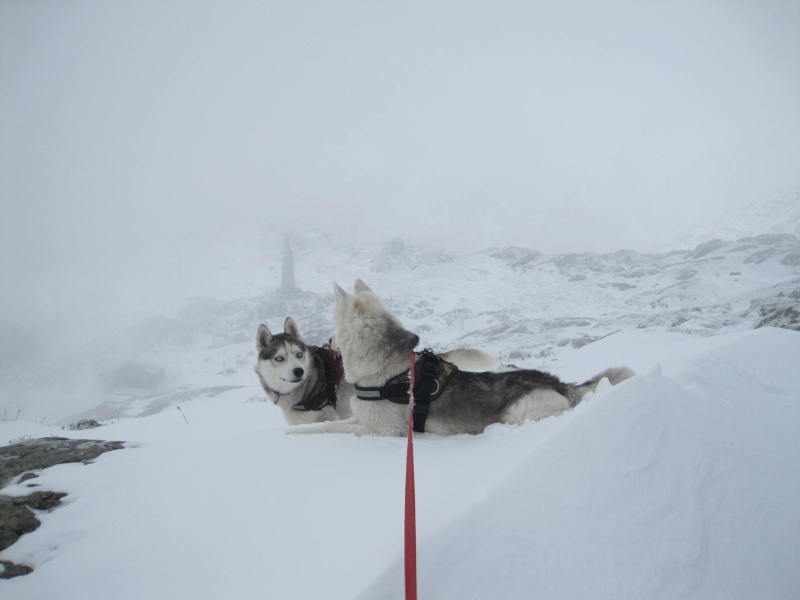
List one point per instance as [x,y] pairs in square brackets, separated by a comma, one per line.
[35,454]
[16,518]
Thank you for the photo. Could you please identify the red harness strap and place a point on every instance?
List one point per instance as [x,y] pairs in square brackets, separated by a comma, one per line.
[410,505]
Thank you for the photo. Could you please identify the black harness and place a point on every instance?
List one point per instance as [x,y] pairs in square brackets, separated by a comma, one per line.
[431,375]
[324,392]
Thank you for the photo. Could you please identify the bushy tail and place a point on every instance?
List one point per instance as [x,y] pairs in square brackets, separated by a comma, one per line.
[615,375]
[469,359]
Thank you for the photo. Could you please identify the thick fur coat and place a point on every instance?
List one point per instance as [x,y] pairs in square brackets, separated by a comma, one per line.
[376,347]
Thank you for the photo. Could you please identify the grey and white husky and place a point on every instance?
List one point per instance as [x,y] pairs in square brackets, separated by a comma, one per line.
[306,382]
[376,351]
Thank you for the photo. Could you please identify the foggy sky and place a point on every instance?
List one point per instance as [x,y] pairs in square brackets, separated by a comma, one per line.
[137,136]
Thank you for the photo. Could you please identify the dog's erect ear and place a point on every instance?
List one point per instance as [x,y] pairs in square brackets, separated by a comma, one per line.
[290,328]
[263,338]
[360,286]
[339,293]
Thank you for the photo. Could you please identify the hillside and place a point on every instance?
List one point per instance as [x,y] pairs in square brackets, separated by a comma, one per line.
[527,308]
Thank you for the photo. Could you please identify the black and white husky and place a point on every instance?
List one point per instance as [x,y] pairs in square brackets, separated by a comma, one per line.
[376,351]
[306,382]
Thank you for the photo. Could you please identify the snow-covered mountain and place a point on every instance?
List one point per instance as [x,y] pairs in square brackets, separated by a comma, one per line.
[525,307]
[779,214]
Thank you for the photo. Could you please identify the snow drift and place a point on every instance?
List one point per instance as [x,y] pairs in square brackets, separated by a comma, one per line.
[681,482]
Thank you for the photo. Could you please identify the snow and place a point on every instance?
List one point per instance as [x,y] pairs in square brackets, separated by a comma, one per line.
[527,308]
[659,489]
[681,482]
[758,218]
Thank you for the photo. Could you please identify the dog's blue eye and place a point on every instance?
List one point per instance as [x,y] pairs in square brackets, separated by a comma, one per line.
[299,355]
[278,359]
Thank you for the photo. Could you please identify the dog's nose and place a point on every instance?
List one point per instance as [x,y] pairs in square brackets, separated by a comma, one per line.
[298,372]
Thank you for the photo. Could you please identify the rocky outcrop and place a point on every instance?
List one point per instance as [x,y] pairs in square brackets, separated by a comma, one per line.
[23,459]
[17,518]
[36,454]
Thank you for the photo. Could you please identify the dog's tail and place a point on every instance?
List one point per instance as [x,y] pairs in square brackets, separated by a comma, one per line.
[470,359]
[615,375]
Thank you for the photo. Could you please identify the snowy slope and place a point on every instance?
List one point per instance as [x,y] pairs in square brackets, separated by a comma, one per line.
[681,482]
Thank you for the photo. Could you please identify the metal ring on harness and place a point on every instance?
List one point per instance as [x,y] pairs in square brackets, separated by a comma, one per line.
[436,391]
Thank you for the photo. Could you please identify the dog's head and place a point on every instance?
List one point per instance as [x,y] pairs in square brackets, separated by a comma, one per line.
[283,359]
[369,337]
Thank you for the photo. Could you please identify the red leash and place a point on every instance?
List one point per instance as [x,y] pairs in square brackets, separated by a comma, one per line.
[411,511]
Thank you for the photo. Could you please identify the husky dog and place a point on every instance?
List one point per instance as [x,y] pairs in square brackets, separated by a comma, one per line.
[306,381]
[376,351]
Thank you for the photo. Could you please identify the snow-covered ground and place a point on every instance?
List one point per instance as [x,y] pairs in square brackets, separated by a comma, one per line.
[681,482]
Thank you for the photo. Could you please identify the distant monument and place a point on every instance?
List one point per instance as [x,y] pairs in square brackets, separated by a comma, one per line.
[287,270]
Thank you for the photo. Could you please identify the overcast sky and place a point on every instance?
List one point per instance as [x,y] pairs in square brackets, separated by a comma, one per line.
[133,133]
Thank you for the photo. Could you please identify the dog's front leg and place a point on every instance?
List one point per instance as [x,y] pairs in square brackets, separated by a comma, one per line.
[348,426]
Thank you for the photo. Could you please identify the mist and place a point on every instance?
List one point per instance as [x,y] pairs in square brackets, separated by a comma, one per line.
[147,147]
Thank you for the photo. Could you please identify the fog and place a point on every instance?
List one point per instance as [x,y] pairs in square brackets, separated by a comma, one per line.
[142,141]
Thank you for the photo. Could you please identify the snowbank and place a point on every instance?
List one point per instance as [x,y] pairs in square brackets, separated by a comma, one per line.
[681,482]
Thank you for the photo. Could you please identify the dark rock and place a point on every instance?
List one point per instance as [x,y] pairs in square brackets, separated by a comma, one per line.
[17,515]
[760,256]
[707,248]
[11,569]
[84,424]
[786,317]
[37,454]
[41,500]
[17,518]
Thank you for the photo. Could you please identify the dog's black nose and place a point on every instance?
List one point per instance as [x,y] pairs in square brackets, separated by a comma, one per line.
[298,372]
